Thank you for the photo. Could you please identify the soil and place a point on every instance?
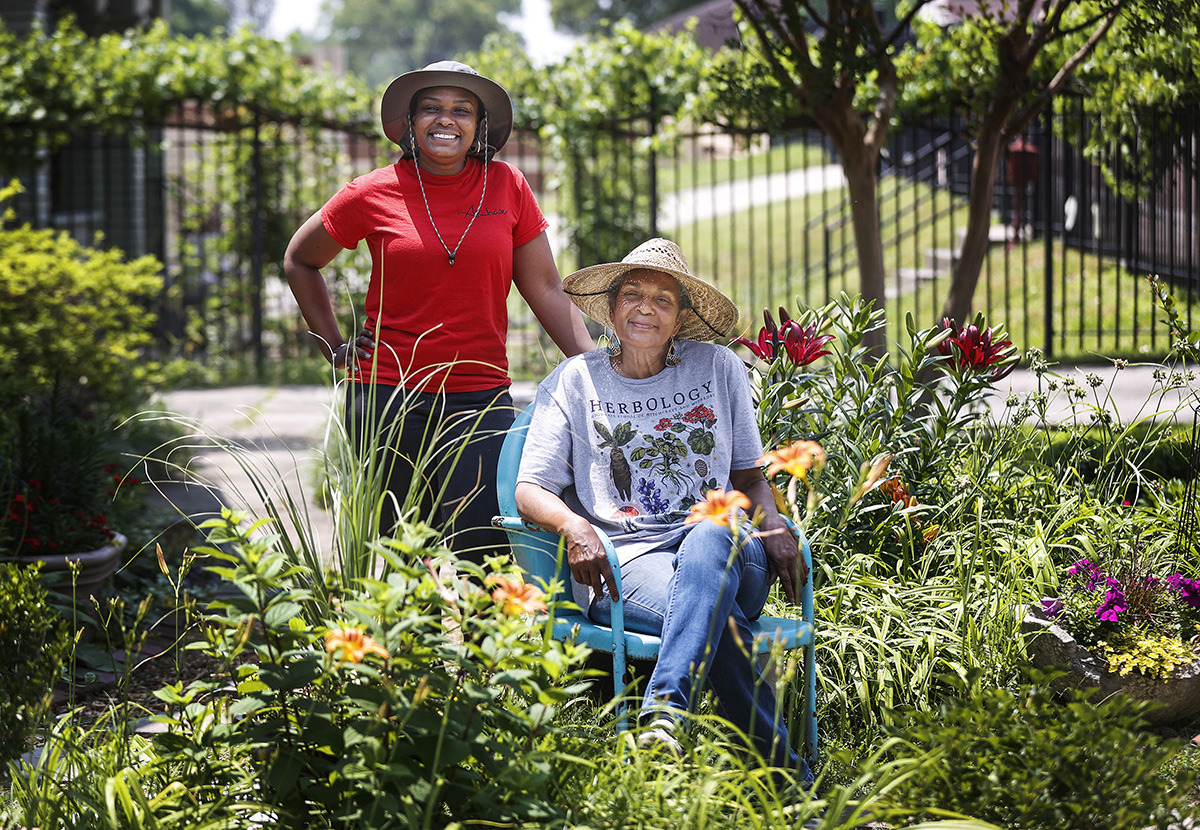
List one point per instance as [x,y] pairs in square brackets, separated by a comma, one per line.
[159,663]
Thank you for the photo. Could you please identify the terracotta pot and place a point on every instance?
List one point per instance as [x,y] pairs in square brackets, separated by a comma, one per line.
[1049,645]
[95,566]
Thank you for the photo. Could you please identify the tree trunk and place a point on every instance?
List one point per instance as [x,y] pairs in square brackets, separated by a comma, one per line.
[979,220]
[858,163]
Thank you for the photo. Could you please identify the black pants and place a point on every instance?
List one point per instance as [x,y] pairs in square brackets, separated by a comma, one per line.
[442,446]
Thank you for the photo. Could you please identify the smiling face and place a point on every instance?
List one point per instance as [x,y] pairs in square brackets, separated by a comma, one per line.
[647,312]
[444,122]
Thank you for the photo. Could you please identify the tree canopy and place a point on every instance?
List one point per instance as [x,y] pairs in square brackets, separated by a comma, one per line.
[54,83]
[198,17]
[384,38]
[835,65]
[583,17]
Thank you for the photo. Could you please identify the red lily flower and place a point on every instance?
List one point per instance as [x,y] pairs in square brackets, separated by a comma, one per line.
[970,348]
[802,344]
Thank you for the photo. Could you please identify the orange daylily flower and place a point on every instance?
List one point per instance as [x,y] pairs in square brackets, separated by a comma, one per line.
[795,459]
[877,470]
[894,489]
[719,506]
[516,596]
[354,644]
[871,472]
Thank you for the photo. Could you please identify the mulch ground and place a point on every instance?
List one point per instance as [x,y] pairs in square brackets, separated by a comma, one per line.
[159,663]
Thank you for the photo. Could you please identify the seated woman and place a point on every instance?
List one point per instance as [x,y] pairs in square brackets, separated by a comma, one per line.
[626,439]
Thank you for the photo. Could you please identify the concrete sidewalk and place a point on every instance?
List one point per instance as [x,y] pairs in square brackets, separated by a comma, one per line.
[251,444]
[275,434]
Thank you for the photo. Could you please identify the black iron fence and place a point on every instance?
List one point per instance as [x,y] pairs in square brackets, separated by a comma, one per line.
[215,193]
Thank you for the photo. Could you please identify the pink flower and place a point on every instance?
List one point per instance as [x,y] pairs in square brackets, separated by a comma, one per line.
[1189,589]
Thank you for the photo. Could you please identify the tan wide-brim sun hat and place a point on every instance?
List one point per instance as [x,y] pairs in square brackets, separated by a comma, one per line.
[397,100]
[713,314]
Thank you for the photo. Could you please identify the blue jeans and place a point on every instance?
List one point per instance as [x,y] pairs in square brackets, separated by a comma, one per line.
[688,597]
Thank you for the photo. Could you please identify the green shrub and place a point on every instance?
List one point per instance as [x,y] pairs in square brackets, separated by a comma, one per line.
[75,314]
[67,476]
[34,644]
[446,711]
[1089,451]
[1030,760]
[910,417]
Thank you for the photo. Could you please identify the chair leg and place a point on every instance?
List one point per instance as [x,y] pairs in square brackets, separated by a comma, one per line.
[810,702]
[619,688]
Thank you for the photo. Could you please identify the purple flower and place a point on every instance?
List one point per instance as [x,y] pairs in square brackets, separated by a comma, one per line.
[1084,568]
[651,498]
[1051,606]
[1113,606]
[1188,589]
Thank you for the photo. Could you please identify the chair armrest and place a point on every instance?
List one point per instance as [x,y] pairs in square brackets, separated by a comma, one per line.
[514,523]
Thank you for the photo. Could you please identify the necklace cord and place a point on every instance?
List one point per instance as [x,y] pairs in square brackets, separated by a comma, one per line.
[428,212]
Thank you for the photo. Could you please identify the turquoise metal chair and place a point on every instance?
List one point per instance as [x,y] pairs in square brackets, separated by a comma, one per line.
[540,556]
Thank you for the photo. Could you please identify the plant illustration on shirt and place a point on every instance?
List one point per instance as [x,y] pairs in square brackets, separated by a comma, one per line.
[618,464]
[651,498]
[664,455]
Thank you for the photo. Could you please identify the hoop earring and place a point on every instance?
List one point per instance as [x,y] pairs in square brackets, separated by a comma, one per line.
[480,146]
[612,346]
[673,358]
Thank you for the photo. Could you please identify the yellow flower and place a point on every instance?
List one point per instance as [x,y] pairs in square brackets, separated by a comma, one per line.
[354,644]
[516,596]
[720,507]
[795,459]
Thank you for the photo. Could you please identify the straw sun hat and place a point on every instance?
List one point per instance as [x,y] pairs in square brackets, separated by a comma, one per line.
[397,100]
[713,314]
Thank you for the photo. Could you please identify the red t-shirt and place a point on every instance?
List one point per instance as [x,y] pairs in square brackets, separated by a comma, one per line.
[437,326]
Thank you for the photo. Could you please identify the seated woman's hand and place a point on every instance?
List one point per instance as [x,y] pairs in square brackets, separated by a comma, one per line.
[586,556]
[784,561]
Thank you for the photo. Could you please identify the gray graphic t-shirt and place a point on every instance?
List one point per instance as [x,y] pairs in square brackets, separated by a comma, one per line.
[633,455]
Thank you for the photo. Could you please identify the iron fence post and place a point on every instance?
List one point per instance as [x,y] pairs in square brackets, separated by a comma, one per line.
[256,252]
[651,126]
[1047,185]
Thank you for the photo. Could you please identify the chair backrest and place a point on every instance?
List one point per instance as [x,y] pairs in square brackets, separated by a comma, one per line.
[510,462]
[538,553]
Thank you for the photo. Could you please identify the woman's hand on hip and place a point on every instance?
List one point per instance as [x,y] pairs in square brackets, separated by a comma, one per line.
[363,346]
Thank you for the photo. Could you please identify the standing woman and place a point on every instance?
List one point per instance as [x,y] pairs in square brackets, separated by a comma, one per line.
[449,230]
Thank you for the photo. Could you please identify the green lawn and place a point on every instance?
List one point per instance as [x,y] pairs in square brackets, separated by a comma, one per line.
[774,255]
[714,161]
